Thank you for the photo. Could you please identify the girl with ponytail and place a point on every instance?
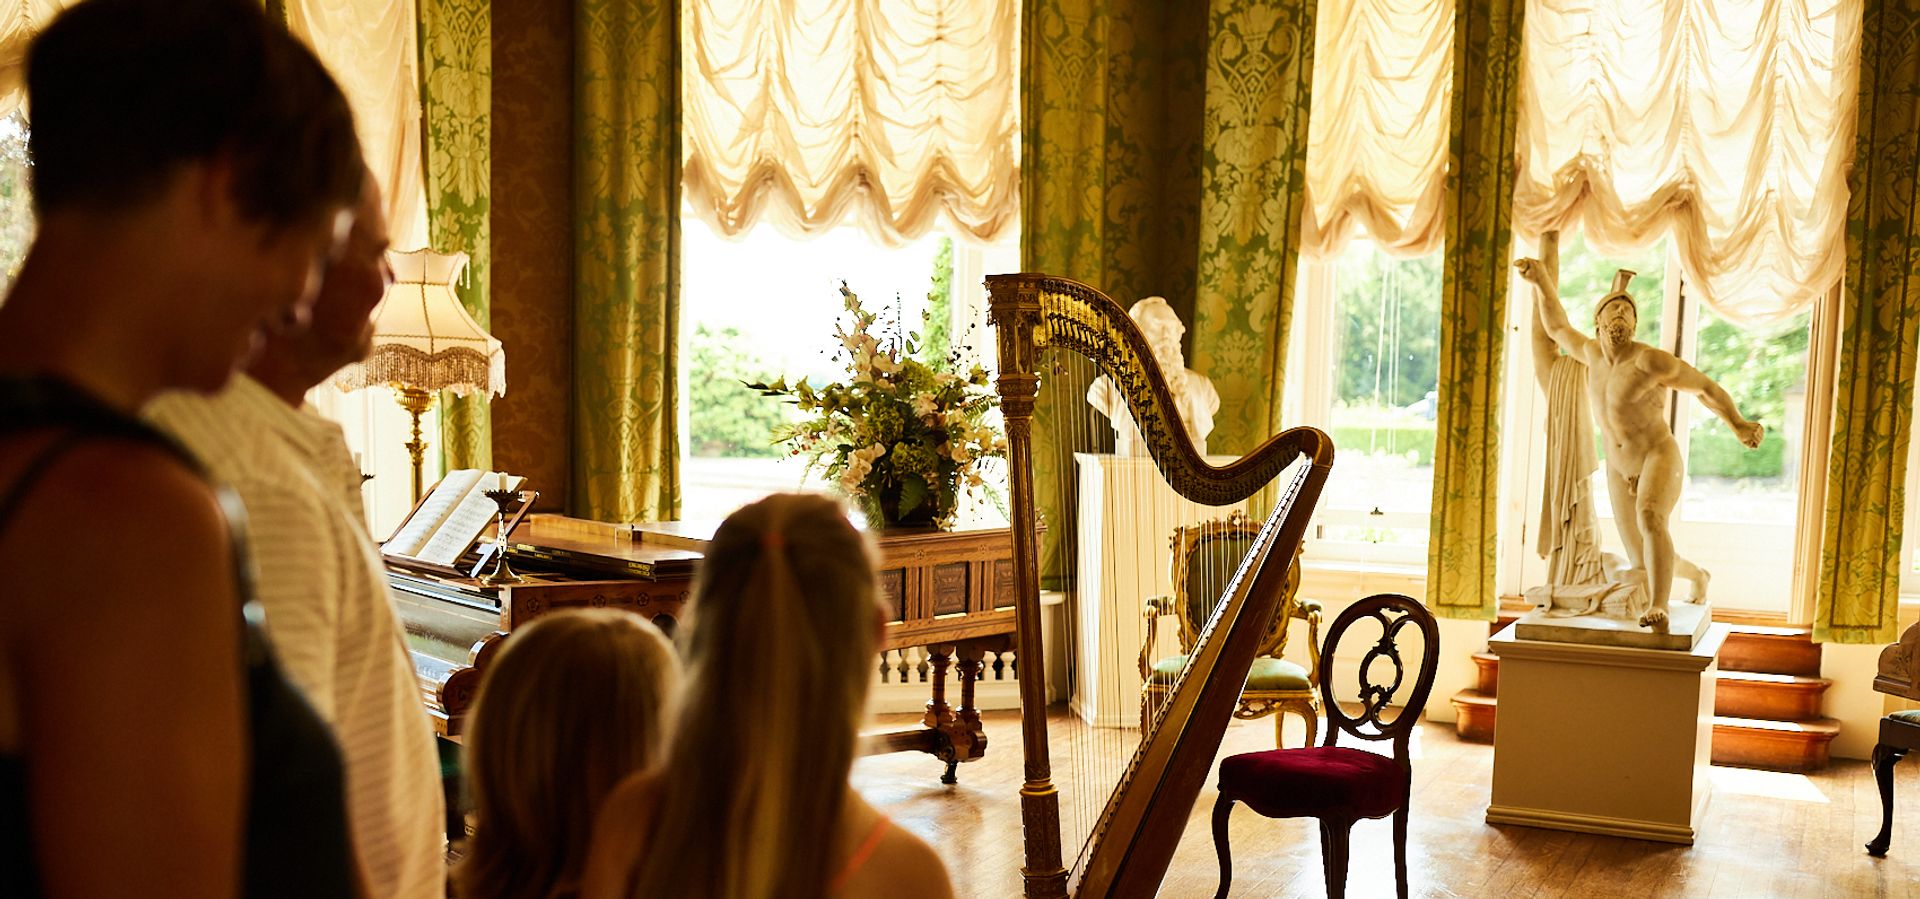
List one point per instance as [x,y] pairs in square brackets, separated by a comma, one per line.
[752,800]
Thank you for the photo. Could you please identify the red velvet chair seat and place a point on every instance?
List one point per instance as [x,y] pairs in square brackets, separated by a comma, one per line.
[1322,781]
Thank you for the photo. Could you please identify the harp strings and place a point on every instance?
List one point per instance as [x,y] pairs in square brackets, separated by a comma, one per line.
[1093,739]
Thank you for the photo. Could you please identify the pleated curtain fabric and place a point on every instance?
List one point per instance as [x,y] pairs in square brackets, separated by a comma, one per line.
[372,49]
[19,22]
[626,447]
[1377,138]
[456,100]
[1462,546]
[1723,123]
[811,113]
[1110,184]
[1858,596]
[1259,81]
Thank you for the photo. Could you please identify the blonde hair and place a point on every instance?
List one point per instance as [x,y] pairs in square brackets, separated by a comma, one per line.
[779,647]
[575,703]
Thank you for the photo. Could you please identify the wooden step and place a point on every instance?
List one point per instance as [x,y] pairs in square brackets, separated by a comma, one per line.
[1779,697]
[1508,614]
[1486,669]
[1771,650]
[1775,745]
[1473,716]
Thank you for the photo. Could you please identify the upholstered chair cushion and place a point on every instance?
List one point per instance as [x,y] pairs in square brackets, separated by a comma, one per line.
[1266,675]
[1911,716]
[1331,781]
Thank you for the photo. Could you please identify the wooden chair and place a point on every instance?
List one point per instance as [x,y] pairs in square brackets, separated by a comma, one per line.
[1204,558]
[1898,675]
[1333,783]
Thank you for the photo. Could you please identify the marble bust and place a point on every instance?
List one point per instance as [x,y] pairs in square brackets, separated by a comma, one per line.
[1625,384]
[1193,394]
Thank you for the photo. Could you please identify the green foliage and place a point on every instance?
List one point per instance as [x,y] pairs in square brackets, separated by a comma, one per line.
[16,200]
[727,418]
[897,436]
[1586,275]
[1713,452]
[1389,328]
[1399,439]
[1758,368]
[936,342]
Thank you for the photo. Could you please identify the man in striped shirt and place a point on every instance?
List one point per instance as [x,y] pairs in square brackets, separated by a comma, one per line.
[319,576]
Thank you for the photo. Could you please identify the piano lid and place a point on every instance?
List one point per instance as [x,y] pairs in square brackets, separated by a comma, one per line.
[599,546]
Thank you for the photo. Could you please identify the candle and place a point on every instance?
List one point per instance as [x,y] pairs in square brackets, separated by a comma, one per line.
[503,480]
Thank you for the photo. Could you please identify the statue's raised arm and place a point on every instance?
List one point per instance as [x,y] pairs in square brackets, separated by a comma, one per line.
[1550,314]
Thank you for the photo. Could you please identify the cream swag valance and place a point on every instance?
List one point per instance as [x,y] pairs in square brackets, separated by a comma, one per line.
[1729,122]
[807,111]
[1377,133]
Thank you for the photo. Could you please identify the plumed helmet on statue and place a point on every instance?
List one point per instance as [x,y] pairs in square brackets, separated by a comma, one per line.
[1619,295]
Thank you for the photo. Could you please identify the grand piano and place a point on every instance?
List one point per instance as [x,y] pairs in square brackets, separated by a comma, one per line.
[949,592]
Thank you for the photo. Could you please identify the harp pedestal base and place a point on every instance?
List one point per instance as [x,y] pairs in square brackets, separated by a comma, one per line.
[1604,739]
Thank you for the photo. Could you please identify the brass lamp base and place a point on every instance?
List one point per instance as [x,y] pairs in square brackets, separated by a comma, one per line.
[416,401]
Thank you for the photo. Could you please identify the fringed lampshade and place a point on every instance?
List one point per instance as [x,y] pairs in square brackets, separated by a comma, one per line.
[425,342]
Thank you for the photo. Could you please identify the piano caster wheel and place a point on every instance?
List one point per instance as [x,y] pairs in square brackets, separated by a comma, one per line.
[950,777]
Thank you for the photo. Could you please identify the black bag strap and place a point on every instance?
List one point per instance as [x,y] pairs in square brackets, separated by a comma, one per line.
[36,403]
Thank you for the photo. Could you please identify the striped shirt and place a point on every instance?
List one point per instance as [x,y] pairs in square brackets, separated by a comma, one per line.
[329,617]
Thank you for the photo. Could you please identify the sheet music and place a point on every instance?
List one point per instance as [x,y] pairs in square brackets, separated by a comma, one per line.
[467,520]
[449,493]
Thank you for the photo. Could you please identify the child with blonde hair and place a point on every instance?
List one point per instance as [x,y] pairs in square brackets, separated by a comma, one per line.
[752,800]
[575,703]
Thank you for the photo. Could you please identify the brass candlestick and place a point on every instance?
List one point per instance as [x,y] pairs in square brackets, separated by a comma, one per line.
[502,572]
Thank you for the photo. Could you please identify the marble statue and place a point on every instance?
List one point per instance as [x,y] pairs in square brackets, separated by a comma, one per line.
[1193,394]
[1626,384]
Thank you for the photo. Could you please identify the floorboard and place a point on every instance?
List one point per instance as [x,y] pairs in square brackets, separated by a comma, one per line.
[1765,834]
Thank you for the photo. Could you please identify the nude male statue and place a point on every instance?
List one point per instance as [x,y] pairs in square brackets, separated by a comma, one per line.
[1627,384]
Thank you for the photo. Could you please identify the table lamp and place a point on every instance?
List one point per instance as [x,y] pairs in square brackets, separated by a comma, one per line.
[425,342]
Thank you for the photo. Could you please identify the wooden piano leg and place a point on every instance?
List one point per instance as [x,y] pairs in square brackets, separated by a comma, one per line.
[969,738]
[939,715]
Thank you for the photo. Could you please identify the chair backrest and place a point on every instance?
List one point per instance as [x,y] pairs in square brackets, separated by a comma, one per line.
[1396,614]
[1205,556]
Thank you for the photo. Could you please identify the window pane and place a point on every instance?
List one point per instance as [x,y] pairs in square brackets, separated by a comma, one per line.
[16,199]
[765,307]
[1586,275]
[1386,389]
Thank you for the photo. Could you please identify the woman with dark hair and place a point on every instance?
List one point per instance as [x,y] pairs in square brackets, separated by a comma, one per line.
[193,166]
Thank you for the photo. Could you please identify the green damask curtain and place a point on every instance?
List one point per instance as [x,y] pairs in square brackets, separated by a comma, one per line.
[1462,547]
[1110,94]
[1259,81]
[1858,598]
[626,202]
[456,101]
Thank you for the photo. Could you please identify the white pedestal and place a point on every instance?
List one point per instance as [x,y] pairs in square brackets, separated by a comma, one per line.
[1127,516]
[1604,739]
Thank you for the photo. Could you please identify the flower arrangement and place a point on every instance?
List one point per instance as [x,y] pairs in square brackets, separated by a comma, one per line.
[898,436]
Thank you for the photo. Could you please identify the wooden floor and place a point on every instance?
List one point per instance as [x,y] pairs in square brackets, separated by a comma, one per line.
[1766,834]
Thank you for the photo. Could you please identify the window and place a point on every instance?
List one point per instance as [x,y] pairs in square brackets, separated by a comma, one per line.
[1368,341]
[764,307]
[16,198]
[1739,507]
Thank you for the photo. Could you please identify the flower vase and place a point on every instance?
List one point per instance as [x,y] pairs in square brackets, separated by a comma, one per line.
[890,517]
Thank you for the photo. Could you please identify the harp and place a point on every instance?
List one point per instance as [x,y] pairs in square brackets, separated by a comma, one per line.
[1044,326]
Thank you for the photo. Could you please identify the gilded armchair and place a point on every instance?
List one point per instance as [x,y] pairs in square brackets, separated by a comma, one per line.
[1204,557]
